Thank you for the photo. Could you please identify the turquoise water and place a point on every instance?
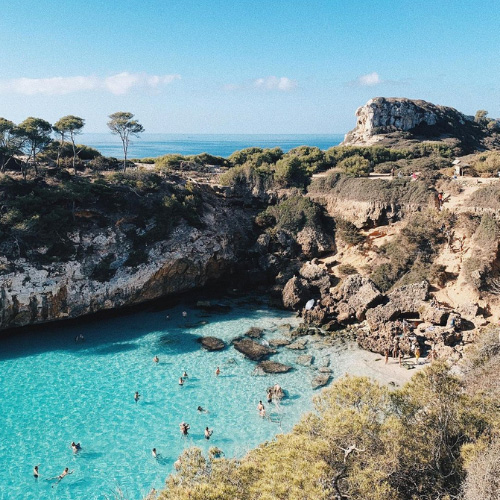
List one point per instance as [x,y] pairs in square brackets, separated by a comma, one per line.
[151,145]
[55,391]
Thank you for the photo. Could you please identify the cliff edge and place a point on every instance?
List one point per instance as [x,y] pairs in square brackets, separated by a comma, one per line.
[392,119]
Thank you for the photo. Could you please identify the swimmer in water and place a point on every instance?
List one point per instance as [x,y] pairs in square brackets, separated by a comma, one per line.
[63,474]
[208,433]
[181,381]
[184,428]
[136,396]
[217,372]
[156,359]
[262,412]
[36,473]
[260,406]
[76,447]
[201,409]
[184,314]
[153,452]
[269,396]
[185,374]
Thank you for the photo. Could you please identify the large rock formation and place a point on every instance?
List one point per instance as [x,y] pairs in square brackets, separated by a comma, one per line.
[381,116]
[189,259]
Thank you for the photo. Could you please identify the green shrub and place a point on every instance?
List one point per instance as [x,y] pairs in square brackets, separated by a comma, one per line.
[348,232]
[346,270]
[290,172]
[355,166]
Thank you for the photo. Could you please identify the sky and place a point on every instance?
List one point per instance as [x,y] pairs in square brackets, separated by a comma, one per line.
[252,66]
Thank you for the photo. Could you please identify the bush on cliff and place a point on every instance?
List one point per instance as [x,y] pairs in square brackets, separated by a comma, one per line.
[410,258]
[362,441]
[355,166]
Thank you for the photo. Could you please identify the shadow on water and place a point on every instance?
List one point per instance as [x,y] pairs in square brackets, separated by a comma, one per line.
[102,332]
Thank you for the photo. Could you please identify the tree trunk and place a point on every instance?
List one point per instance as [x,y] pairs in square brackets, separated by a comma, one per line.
[74,152]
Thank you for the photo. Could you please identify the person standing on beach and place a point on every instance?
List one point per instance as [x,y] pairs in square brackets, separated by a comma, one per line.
[417,354]
[386,355]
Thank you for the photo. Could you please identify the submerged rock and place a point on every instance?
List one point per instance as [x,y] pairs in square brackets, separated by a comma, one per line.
[252,349]
[305,360]
[273,367]
[300,345]
[320,380]
[212,343]
[254,332]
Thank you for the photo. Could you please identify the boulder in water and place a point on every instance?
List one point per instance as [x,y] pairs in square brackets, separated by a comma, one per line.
[255,333]
[320,380]
[252,349]
[305,360]
[212,343]
[273,367]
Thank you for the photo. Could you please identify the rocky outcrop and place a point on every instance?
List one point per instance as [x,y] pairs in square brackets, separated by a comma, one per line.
[273,367]
[320,380]
[254,332]
[190,258]
[212,343]
[252,349]
[381,116]
[312,281]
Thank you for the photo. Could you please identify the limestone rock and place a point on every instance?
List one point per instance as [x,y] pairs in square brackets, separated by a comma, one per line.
[382,115]
[434,315]
[252,349]
[325,369]
[299,345]
[314,242]
[254,332]
[279,342]
[320,380]
[212,343]
[305,360]
[296,293]
[273,367]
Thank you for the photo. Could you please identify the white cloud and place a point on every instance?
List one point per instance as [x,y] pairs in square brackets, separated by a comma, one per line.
[369,80]
[118,84]
[274,83]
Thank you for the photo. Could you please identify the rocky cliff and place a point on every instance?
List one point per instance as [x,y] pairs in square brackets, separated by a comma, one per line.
[407,118]
[188,259]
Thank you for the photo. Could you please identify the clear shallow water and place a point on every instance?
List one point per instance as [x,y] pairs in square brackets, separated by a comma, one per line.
[55,391]
[151,145]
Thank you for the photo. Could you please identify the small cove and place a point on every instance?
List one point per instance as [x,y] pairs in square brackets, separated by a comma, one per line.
[55,391]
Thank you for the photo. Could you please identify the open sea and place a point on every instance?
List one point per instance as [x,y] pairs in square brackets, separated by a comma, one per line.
[152,145]
[55,391]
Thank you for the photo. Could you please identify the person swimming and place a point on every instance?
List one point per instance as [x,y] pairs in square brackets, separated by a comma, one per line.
[63,474]
[184,428]
[269,396]
[76,447]
[185,375]
[262,412]
[156,359]
[36,473]
[181,381]
[136,396]
[202,410]
[260,406]
[217,371]
[154,453]
[208,433]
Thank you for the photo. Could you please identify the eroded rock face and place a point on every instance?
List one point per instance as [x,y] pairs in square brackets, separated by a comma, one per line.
[320,380]
[384,115]
[252,349]
[189,259]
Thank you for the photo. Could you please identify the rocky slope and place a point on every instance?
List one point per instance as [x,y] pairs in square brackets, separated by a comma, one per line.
[406,119]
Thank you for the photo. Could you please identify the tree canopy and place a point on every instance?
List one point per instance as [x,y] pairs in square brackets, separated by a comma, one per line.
[34,136]
[69,125]
[122,124]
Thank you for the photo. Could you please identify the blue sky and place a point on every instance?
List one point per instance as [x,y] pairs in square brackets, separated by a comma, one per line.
[296,66]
